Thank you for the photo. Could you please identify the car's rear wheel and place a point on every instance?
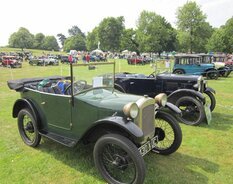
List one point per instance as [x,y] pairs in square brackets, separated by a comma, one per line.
[179,72]
[192,110]
[169,133]
[118,160]
[28,128]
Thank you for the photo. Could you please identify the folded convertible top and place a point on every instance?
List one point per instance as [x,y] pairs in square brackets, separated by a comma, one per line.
[19,84]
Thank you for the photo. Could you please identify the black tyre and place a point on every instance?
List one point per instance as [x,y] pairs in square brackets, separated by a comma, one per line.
[210,99]
[28,128]
[223,72]
[192,110]
[212,74]
[179,71]
[118,160]
[169,133]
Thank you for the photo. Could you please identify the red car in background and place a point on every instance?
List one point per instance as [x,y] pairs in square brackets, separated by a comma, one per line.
[11,61]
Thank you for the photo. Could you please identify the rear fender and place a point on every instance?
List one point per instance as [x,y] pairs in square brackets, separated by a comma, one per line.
[21,104]
[172,98]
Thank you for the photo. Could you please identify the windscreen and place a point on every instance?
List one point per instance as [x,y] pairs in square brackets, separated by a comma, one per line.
[95,74]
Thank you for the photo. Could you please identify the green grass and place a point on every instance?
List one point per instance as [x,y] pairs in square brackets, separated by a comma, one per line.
[205,155]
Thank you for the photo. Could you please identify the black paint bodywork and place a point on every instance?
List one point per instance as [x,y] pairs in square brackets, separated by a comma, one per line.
[173,85]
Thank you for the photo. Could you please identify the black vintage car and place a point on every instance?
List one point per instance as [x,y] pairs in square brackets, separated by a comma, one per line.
[185,91]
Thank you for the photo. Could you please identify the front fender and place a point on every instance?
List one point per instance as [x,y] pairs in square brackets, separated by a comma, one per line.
[173,108]
[116,123]
[172,98]
[210,90]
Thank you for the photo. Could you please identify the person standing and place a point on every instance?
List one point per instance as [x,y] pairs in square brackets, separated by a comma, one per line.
[87,58]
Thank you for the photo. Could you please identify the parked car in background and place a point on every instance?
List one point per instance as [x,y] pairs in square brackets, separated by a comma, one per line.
[187,92]
[11,61]
[224,59]
[138,60]
[123,127]
[64,59]
[50,60]
[218,61]
[37,61]
[191,64]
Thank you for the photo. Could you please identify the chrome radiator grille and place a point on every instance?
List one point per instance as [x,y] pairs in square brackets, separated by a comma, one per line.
[148,119]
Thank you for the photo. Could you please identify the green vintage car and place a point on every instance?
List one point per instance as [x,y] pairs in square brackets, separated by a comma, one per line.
[123,127]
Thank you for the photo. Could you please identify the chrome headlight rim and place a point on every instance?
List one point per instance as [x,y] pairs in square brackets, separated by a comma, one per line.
[161,99]
[131,110]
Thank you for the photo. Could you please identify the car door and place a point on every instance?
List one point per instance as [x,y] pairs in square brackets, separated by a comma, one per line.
[195,66]
[142,86]
[57,110]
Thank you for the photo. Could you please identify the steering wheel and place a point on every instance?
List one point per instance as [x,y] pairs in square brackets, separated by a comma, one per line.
[152,75]
[77,87]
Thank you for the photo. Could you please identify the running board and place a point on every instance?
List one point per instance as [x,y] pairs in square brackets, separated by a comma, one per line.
[60,139]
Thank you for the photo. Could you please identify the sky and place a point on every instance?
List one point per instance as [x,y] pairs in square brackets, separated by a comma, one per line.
[51,17]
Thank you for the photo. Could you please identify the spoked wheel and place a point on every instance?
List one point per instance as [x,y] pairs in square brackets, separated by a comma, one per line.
[210,99]
[192,110]
[28,128]
[212,74]
[118,160]
[179,72]
[169,133]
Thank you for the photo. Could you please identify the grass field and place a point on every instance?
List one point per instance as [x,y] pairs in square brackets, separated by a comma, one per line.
[205,156]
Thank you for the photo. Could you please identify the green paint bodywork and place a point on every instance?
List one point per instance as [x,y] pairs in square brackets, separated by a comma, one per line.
[59,116]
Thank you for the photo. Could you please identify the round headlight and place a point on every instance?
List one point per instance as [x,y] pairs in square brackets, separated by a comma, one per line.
[161,99]
[131,110]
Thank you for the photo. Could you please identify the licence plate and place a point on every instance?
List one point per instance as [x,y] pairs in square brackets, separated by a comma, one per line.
[148,146]
[208,113]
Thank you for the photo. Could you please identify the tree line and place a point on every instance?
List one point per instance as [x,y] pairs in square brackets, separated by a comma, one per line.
[152,34]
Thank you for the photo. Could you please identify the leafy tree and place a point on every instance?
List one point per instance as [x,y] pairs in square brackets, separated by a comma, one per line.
[92,39]
[128,40]
[110,32]
[191,21]
[75,43]
[228,38]
[61,38]
[216,41]
[75,31]
[154,33]
[222,40]
[21,39]
[50,43]
[38,41]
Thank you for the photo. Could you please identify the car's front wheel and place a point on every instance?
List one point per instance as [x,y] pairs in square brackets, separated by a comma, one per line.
[210,99]
[118,160]
[192,110]
[169,133]
[28,128]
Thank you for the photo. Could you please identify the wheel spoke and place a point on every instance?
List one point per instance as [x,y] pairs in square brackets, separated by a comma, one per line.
[168,133]
[118,164]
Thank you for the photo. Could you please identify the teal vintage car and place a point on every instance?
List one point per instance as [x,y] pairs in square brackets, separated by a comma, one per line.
[123,127]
